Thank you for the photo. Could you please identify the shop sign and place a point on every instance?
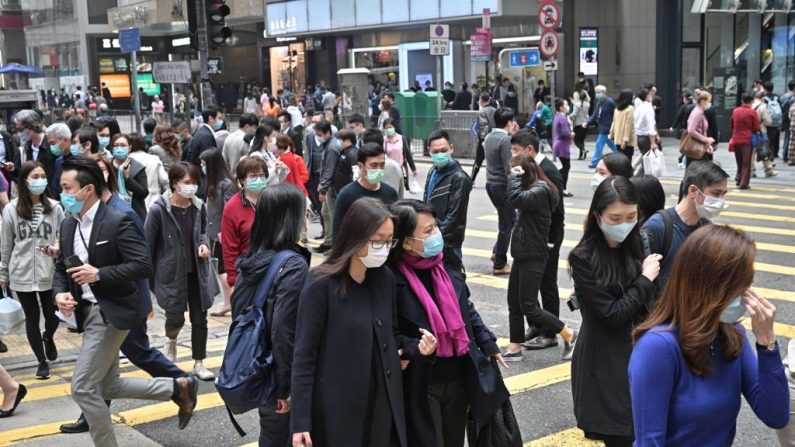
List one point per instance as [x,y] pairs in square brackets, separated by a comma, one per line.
[147,82]
[120,64]
[70,83]
[440,40]
[481,50]
[119,84]
[106,65]
[215,65]
[589,51]
[177,72]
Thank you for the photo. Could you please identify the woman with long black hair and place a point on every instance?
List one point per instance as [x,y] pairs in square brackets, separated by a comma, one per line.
[432,294]
[346,383]
[614,288]
[279,220]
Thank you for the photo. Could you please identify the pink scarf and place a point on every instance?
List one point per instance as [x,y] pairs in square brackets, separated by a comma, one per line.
[445,318]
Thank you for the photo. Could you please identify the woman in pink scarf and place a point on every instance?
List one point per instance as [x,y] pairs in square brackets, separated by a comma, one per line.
[432,295]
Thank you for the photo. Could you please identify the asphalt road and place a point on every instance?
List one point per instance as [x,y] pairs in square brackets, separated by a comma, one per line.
[540,386]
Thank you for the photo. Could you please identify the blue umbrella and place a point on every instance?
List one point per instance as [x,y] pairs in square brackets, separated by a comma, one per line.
[17,68]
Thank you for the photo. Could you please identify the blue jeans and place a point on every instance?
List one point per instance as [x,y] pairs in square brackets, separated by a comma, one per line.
[600,145]
[498,194]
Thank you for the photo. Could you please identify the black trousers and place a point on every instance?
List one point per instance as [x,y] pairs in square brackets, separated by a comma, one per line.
[628,151]
[565,167]
[523,285]
[274,428]
[449,402]
[30,306]
[311,187]
[579,139]
[550,296]
[480,155]
[198,320]
[773,137]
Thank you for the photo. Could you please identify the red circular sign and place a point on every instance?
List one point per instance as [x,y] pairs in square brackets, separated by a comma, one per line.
[549,44]
[549,15]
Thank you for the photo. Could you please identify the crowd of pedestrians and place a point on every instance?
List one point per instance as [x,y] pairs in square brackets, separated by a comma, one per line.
[189,215]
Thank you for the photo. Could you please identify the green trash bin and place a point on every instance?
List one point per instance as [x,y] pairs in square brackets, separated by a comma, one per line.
[426,114]
[405,102]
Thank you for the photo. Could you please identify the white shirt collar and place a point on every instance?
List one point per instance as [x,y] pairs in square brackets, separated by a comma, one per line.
[88,218]
[539,158]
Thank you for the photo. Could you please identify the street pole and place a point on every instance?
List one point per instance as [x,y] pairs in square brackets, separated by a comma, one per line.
[206,93]
[552,88]
[439,87]
[136,96]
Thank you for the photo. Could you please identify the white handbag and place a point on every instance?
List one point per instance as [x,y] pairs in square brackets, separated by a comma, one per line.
[12,317]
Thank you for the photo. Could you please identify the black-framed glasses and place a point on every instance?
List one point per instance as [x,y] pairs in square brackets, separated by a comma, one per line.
[377,245]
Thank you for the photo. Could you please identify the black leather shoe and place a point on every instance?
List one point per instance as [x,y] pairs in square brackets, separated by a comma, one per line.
[79,426]
[322,248]
[531,333]
[3,347]
[540,342]
[188,388]
[50,350]
[21,393]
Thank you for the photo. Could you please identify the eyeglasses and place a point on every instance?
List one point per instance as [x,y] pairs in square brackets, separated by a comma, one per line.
[255,176]
[377,245]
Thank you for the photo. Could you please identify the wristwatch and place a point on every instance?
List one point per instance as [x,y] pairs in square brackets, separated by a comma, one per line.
[769,347]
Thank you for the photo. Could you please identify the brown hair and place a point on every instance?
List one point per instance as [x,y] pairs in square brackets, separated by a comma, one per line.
[532,172]
[164,137]
[285,143]
[713,267]
[247,165]
[178,171]
[111,182]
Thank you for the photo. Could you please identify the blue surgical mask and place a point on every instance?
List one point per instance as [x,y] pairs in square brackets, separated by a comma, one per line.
[120,152]
[56,150]
[734,312]
[37,186]
[218,124]
[104,142]
[617,232]
[440,159]
[70,203]
[432,246]
[74,149]
[599,96]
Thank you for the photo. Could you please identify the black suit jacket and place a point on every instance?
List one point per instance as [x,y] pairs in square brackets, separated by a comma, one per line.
[11,153]
[202,140]
[45,157]
[117,248]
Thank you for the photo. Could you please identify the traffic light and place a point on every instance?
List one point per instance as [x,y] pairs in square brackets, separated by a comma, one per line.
[217,31]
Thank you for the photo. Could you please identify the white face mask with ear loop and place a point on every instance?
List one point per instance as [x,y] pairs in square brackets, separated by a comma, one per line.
[376,257]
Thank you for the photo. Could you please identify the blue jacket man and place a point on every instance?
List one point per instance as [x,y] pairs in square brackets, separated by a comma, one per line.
[602,118]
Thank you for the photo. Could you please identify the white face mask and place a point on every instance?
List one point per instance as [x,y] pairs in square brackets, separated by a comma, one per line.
[597,180]
[711,207]
[187,191]
[376,257]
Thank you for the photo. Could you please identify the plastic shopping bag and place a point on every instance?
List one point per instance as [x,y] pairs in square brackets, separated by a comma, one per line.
[414,187]
[12,318]
[654,163]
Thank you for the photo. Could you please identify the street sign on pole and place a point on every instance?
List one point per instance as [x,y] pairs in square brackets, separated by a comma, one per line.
[440,40]
[524,58]
[130,40]
[486,18]
[549,44]
[549,15]
[215,65]
[550,65]
[481,45]
[177,72]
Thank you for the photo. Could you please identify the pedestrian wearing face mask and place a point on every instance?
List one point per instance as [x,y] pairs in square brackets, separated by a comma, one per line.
[347,388]
[371,162]
[602,118]
[614,285]
[397,148]
[176,230]
[204,137]
[705,185]
[28,243]
[432,297]
[610,165]
[34,145]
[131,179]
[692,359]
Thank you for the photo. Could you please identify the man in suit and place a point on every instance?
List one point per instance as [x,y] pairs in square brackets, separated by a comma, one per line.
[204,137]
[8,149]
[525,142]
[35,146]
[103,255]
[136,346]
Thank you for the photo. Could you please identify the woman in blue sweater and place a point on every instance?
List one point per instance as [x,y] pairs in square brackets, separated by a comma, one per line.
[692,359]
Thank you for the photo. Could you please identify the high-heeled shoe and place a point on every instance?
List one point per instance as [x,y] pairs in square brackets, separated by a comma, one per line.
[21,393]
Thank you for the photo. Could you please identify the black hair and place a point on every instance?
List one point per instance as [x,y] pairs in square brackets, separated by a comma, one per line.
[748,97]
[618,164]
[24,202]
[374,136]
[502,117]
[624,99]
[263,131]
[791,85]
[278,219]
[362,220]
[216,172]
[178,171]
[88,173]
[643,93]
[323,126]
[88,134]
[388,122]
[485,97]
[110,123]
[525,137]
[405,215]
[346,135]
[390,95]
[651,196]
[284,114]
[610,267]
[768,86]
[559,103]
[137,142]
[209,112]
[440,134]
[702,173]
[248,119]
[356,118]
[149,125]
[369,150]
[75,123]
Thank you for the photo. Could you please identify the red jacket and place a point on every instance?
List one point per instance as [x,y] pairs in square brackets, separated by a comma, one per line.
[744,123]
[298,174]
[235,233]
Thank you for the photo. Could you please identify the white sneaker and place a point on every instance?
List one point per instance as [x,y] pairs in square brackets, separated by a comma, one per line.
[201,371]
[171,350]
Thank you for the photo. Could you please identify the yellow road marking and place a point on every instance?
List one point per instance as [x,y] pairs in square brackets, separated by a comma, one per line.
[538,378]
[676,183]
[769,206]
[572,437]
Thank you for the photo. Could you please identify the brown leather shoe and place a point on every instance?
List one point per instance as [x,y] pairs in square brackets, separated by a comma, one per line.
[503,271]
[188,388]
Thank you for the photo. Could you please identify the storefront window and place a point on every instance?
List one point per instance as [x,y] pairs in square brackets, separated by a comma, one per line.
[778,50]
[382,63]
[287,67]
[57,60]
[44,11]
[691,67]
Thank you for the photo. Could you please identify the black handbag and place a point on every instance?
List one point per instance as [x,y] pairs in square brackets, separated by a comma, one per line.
[501,431]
